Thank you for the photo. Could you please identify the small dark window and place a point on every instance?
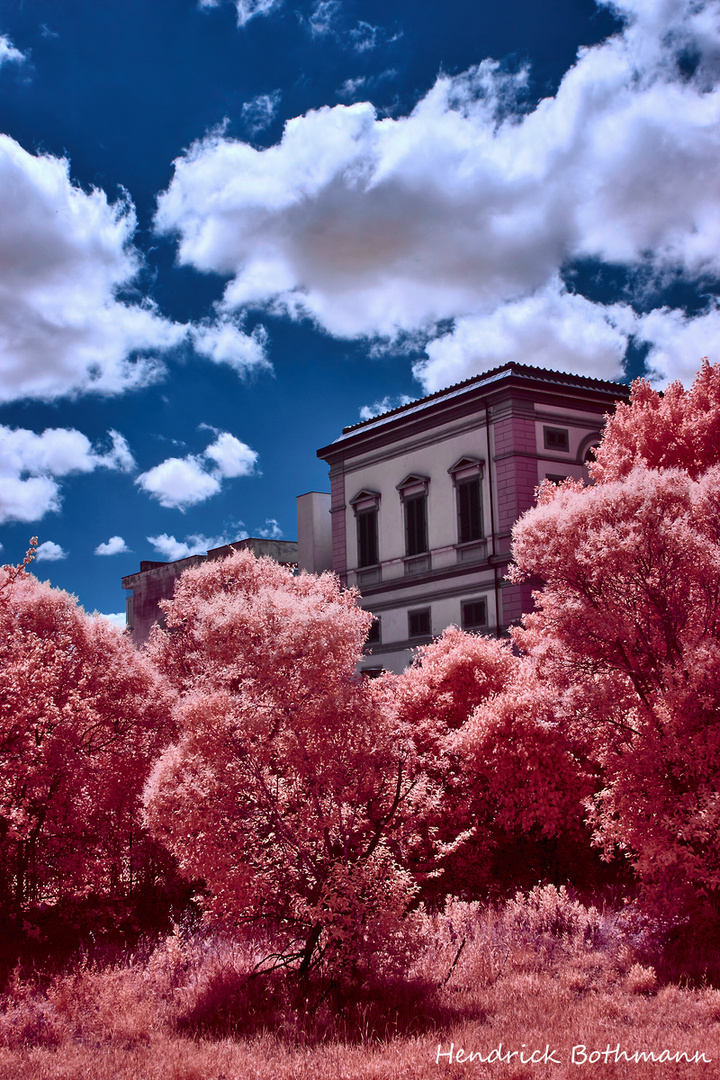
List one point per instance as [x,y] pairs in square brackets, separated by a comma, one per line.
[415,525]
[469,510]
[367,537]
[371,672]
[590,455]
[556,438]
[556,478]
[373,637]
[419,623]
[474,614]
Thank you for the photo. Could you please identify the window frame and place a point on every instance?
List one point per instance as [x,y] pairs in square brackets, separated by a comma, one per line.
[467,625]
[366,505]
[415,613]
[550,435]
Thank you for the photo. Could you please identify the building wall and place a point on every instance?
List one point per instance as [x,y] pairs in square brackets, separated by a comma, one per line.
[314,532]
[156,581]
[500,419]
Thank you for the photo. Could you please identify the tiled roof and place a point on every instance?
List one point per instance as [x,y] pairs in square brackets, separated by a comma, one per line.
[558,378]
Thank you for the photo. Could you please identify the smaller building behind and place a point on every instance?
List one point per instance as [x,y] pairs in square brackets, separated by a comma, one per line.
[155,581]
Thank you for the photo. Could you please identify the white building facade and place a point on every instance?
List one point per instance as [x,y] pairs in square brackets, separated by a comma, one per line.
[423,500]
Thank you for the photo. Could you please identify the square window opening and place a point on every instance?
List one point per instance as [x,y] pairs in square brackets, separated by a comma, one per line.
[419,623]
[474,615]
[557,439]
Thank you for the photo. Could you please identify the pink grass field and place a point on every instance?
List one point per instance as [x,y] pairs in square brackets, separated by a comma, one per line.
[537,977]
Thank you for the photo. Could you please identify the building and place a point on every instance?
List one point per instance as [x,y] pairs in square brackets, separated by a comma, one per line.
[423,500]
[155,581]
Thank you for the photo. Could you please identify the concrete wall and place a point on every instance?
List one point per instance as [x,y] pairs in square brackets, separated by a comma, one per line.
[314,529]
[156,581]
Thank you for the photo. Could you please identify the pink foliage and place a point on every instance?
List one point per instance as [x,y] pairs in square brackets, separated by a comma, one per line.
[81,716]
[489,739]
[627,632]
[677,429]
[289,791]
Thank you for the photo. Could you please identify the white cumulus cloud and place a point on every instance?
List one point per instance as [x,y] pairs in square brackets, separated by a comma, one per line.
[8,53]
[30,464]
[469,210]
[196,544]
[65,254]
[178,483]
[224,342]
[114,546]
[50,552]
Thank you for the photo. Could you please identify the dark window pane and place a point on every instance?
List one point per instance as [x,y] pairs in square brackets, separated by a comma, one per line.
[367,537]
[556,438]
[474,614]
[373,637]
[469,510]
[419,623]
[415,525]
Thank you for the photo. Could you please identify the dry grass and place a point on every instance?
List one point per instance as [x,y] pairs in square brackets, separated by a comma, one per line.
[540,972]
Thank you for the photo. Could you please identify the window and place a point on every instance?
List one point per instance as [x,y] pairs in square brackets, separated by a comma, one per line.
[419,623]
[413,493]
[556,478]
[367,536]
[556,439]
[373,637]
[474,614]
[365,505]
[467,474]
[415,525]
[469,510]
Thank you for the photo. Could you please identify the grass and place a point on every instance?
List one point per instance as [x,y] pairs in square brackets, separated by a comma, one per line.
[541,971]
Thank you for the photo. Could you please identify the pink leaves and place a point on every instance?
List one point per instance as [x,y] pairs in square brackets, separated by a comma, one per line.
[627,629]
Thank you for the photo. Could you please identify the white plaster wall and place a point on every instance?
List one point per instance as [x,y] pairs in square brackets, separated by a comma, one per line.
[433,461]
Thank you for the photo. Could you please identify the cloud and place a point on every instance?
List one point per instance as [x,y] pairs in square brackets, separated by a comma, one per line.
[378,407]
[327,19]
[8,53]
[30,463]
[232,457]
[118,619]
[261,111]
[323,17]
[272,531]
[114,546]
[678,342]
[178,483]
[224,342]
[246,9]
[552,328]
[350,87]
[196,544]
[50,552]
[65,255]
[473,209]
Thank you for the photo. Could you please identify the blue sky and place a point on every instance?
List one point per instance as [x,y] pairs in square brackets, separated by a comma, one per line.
[228,228]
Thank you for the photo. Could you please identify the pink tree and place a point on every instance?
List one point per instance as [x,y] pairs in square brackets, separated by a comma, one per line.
[290,791]
[511,779]
[82,714]
[627,629]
